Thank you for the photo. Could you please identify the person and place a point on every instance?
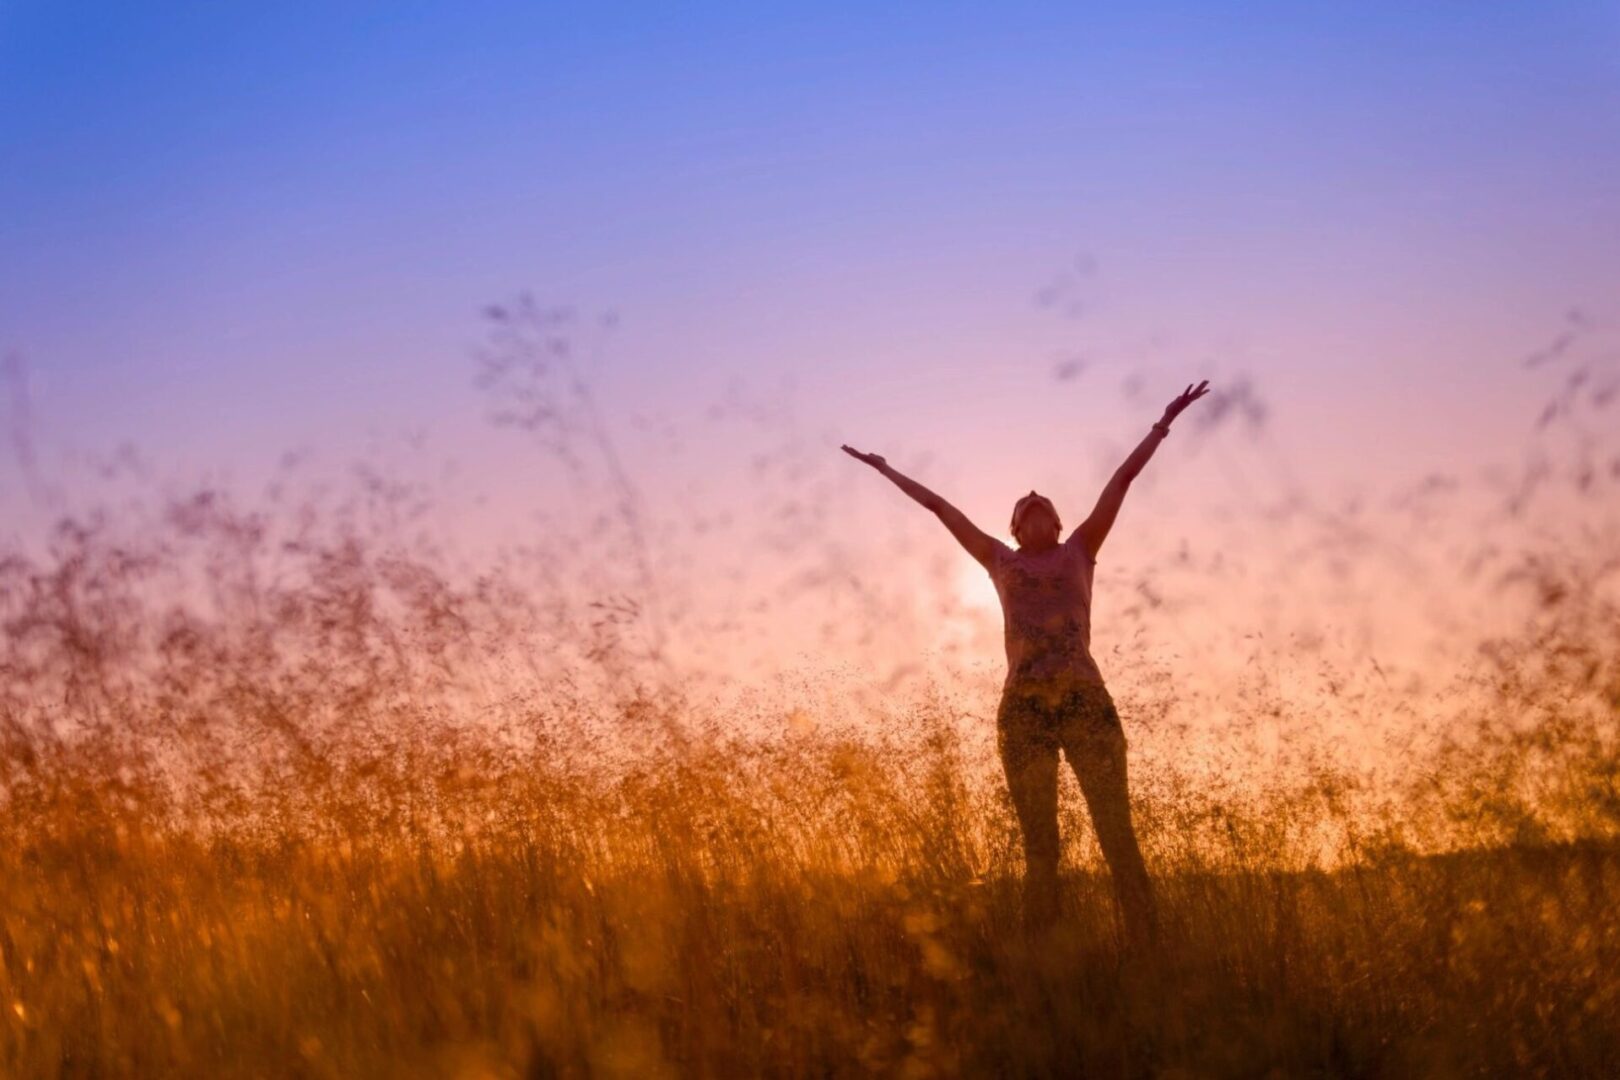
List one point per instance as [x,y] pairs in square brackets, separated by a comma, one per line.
[1054,696]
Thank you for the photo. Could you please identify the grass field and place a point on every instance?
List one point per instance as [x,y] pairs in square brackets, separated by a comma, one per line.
[700,922]
[265,842]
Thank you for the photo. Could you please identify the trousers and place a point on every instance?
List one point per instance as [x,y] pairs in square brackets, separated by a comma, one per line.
[1032,725]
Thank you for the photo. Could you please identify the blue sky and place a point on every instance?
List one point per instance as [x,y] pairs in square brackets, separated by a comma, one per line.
[232,228]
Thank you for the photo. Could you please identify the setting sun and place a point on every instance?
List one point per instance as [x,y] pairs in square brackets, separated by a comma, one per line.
[976,589]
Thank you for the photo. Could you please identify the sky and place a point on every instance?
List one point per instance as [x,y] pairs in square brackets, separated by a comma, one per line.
[989,242]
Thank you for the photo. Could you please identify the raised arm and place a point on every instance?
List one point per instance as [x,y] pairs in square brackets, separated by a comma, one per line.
[978,543]
[1094,530]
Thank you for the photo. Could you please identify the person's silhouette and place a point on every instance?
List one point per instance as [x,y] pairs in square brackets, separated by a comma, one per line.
[1054,696]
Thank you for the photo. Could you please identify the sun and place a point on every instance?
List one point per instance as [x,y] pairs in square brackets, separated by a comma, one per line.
[975,588]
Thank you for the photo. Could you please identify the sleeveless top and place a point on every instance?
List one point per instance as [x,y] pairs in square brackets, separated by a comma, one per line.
[1046,612]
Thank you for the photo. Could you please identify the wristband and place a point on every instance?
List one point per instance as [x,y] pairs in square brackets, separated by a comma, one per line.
[1162,428]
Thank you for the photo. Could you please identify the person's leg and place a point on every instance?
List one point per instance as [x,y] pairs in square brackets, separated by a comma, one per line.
[1094,742]
[1029,758]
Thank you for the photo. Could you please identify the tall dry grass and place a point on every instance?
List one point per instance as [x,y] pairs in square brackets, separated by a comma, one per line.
[282,796]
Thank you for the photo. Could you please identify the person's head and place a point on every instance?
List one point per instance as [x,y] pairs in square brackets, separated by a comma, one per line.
[1035,521]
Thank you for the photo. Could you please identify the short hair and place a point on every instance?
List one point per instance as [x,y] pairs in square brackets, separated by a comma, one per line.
[1028,500]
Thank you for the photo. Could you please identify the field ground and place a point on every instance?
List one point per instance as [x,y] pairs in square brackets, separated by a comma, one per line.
[126,955]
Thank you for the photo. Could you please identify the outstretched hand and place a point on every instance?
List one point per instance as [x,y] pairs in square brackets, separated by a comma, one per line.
[874,460]
[1184,399]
